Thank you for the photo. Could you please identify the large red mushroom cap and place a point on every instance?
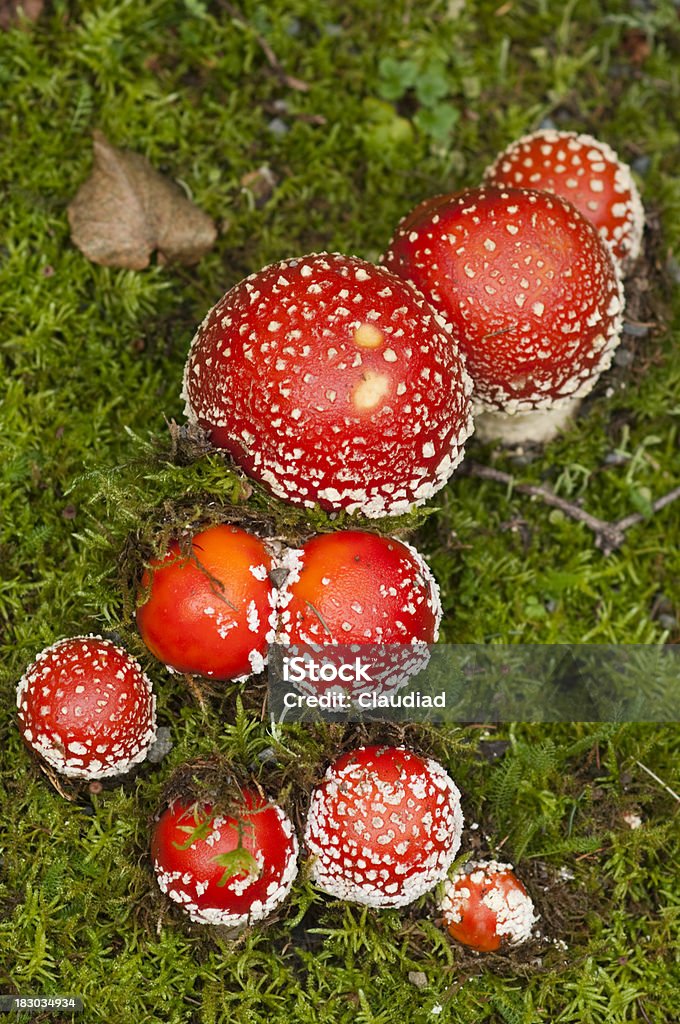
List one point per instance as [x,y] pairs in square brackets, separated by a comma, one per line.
[485,905]
[383,827]
[583,170]
[355,587]
[332,381]
[211,612]
[231,870]
[529,286]
[87,708]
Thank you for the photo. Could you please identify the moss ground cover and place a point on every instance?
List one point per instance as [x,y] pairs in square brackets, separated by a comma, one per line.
[397,102]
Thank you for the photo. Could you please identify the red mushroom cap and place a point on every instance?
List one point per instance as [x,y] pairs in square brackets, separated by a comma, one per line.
[226,870]
[357,587]
[383,827]
[212,613]
[329,380]
[529,286]
[586,172]
[86,708]
[486,905]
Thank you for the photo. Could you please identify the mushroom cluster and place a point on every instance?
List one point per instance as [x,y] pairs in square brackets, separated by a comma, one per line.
[339,384]
[335,382]
[383,828]
[212,610]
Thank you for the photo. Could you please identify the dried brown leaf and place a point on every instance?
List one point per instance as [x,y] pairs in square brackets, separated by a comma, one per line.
[126,210]
[11,11]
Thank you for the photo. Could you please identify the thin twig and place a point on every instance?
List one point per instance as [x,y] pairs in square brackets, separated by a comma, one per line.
[53,776]
[274,63]
[657,779]
[590,853]
[196,691]
[608,536]
[657,505]
[319,616]
[643,1011]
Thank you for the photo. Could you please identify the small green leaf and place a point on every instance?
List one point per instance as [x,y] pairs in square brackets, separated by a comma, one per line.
[432,84]
[384,133]
[199,830]
[437,122]
[641,500]
[237,862]
[534,609]
[397,77]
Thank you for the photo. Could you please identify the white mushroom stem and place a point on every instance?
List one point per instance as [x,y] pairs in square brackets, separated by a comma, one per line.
[526,427]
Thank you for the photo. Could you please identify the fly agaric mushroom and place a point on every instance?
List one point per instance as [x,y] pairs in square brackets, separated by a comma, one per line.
[586,172]
[485,905]
[383,827]
[87,708]
[210,611]
[357,587]
[532,292]
[354,587]
[332,381]
[226,870]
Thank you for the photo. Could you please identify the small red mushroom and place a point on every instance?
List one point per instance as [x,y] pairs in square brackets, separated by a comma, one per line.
[331,381]
[383,827]
[586,172]
[485,905]
[354,587]
[358,587]
[531,290]
[210,612]
[87,708]
[231,870]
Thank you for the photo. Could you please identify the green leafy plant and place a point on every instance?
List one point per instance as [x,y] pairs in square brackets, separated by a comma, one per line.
[429,81]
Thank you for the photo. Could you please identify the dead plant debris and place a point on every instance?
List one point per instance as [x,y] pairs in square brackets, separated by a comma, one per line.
[126,210]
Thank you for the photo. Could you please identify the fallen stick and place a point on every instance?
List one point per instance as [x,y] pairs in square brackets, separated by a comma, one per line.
[608,536]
